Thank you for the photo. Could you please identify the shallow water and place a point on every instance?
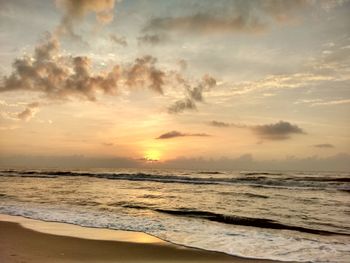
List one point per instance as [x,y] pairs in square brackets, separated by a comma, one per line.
[289,216]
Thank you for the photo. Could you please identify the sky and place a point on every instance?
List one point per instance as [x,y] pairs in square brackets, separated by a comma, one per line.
[186,84]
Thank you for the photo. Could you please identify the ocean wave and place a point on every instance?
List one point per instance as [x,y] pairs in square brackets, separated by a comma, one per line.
[210,172]
[231,219]
[245,221]
[261,173]
[254,179]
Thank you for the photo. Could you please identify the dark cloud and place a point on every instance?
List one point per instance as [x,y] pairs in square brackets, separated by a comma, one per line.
[58,76]
[196,93]
[219,124]
[193,94]
[203,24]
[222,124]
[276,131]
[74,12]
[172,134]
[175,134]
[324,145]
[152,39]
[182,105]
[118,40]
[29,112]
[61,77]
[233,16]
[144,71]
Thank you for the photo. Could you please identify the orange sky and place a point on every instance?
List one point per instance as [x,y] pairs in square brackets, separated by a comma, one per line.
[162,81]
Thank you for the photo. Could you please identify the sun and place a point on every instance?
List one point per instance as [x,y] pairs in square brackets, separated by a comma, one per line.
[152,155]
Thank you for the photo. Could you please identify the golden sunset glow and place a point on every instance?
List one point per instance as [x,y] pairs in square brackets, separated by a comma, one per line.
[152,155]
[193,121]
[185,87]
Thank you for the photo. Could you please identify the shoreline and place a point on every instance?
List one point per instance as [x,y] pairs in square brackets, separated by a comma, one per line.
[29,240]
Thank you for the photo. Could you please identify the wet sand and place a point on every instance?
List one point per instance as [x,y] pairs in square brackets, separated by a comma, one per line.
[21,242]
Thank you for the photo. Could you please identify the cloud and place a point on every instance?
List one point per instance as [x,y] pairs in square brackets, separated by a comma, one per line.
[10,118]
[332,102]
[193,94]
[58,76]
[118,40]
[321,102]
[74,12]
[196,93]
[219,124]
[175,134]
[144,71]
[182,64]
[152,39]
[328,70]
[201,23]
[338,162]
[108,144]
[61,77]
[324,145]
[234,16]
[275,131]
[182,105]
[29,112]
[222,124]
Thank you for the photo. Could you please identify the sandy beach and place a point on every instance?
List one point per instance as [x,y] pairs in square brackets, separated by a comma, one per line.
[26,240]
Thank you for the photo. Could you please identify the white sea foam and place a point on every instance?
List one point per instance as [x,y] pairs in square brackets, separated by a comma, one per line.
[235,240]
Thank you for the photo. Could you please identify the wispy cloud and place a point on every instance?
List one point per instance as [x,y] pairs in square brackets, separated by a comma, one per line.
[152,39]
[182,105]
[220,124]
[324,145]
[118,40]
[175,134]
[193,94]
[235,16]
[29,112]
[331,102]
[322,102]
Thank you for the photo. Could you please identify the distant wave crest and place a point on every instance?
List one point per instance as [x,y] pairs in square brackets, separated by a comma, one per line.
[261,179]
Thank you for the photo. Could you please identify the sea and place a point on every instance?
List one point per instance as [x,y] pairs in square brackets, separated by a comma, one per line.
[280,215]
